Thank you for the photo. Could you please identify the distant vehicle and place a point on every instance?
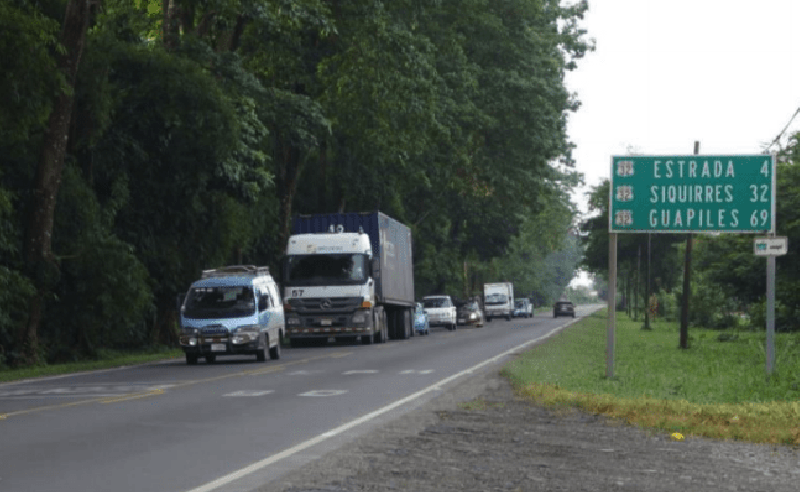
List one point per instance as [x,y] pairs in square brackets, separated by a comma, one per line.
[470,313]
[441,311]
[498,300]
[348,276]
[563,308]
[523,308]
[232,310]
[421,324]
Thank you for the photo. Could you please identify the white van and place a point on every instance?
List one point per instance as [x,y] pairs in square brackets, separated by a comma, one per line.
[232,310]
[441,311]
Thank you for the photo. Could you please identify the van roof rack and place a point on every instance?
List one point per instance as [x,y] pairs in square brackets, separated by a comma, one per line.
[226,271]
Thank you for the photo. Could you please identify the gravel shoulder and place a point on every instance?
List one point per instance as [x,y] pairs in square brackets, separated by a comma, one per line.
[479,436]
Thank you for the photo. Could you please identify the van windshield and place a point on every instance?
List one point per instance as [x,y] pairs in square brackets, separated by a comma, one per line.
[341,269]
[437,302]
[220,302]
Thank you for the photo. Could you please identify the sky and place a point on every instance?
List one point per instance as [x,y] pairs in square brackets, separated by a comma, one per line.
[665,74]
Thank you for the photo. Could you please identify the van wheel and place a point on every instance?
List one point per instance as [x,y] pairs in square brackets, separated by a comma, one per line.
[275,352]
[191,359]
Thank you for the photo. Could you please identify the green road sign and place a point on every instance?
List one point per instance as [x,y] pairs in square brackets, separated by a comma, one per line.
[693,193]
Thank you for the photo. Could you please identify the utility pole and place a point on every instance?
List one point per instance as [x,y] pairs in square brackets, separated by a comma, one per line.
[687,279]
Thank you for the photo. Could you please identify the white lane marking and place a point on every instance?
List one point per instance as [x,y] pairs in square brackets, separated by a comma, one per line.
[362,371]
[249,393]
[417,371]
[323,393]
[258,465]
[303,373]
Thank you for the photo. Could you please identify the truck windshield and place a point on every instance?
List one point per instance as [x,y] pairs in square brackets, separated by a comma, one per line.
[338,269]
[220,302]
[496,299]
[519,304]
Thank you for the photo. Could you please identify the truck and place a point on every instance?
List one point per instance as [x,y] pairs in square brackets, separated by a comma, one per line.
[348,276]
[498,300]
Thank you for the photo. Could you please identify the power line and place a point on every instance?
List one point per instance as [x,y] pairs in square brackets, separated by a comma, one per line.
[777,140]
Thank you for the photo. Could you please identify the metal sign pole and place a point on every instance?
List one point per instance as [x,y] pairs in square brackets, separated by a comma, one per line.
[770,314]
[612,302]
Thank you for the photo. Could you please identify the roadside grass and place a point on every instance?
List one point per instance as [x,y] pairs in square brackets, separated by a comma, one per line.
[106,360]
[716,388]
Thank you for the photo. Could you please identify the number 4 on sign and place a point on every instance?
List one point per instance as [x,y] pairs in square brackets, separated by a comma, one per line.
[765,169]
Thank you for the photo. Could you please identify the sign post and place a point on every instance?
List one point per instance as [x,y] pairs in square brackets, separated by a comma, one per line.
[770,247]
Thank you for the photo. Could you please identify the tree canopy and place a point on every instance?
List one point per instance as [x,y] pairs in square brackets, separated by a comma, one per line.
[168,136]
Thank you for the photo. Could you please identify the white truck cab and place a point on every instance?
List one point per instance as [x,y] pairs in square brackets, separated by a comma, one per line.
[441,311]
[232,310]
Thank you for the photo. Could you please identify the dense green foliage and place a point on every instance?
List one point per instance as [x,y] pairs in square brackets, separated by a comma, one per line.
[196,133]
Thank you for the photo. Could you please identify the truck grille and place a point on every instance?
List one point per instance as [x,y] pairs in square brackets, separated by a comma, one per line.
[309,305]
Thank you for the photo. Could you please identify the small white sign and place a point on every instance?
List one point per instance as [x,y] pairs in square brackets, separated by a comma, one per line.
[770,246]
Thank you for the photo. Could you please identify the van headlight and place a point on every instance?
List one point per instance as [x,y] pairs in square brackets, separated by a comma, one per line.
[245,334]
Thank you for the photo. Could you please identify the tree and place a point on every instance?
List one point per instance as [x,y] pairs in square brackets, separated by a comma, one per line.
[41,264]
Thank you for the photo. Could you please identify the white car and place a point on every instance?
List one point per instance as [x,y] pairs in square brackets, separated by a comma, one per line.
[441,311]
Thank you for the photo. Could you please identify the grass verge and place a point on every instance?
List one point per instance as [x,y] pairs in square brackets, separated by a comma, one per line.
[108,359]
[716,388]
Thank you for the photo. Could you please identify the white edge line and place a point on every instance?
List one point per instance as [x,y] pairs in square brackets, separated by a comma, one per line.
[231,477]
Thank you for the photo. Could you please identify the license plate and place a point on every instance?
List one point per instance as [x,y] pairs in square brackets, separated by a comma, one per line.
[460,320]
[325,322]
[218,347]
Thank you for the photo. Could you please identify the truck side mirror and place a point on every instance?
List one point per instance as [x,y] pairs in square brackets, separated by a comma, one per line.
[375,267]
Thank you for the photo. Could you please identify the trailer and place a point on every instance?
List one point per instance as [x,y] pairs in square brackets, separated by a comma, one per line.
[348,276]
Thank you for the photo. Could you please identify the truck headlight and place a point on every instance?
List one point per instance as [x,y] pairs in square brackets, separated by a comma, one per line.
[473,315]
[293,320]
[359,318]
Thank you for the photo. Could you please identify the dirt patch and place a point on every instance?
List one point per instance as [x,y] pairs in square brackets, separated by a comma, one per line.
[480,436]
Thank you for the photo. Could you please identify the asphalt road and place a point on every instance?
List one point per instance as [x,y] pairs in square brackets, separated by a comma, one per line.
[235,424]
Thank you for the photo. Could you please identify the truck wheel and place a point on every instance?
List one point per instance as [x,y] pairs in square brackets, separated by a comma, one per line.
[275,352]
[367,339]
[211,358]
[508,318]
[191,359]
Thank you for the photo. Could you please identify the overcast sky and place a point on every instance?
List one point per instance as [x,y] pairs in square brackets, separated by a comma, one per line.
[668,72]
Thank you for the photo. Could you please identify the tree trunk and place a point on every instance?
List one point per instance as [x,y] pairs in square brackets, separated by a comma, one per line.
[38,241]
[287,174]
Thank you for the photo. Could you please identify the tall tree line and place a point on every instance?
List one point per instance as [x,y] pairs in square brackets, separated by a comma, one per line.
[142,141]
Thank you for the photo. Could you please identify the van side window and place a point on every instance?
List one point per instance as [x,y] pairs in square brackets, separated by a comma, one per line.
[264,302]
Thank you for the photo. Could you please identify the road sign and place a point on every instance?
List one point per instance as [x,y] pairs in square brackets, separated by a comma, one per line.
[692,193]
[771,246]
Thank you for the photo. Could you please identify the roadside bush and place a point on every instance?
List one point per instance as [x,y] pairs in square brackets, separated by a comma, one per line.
[784,317]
